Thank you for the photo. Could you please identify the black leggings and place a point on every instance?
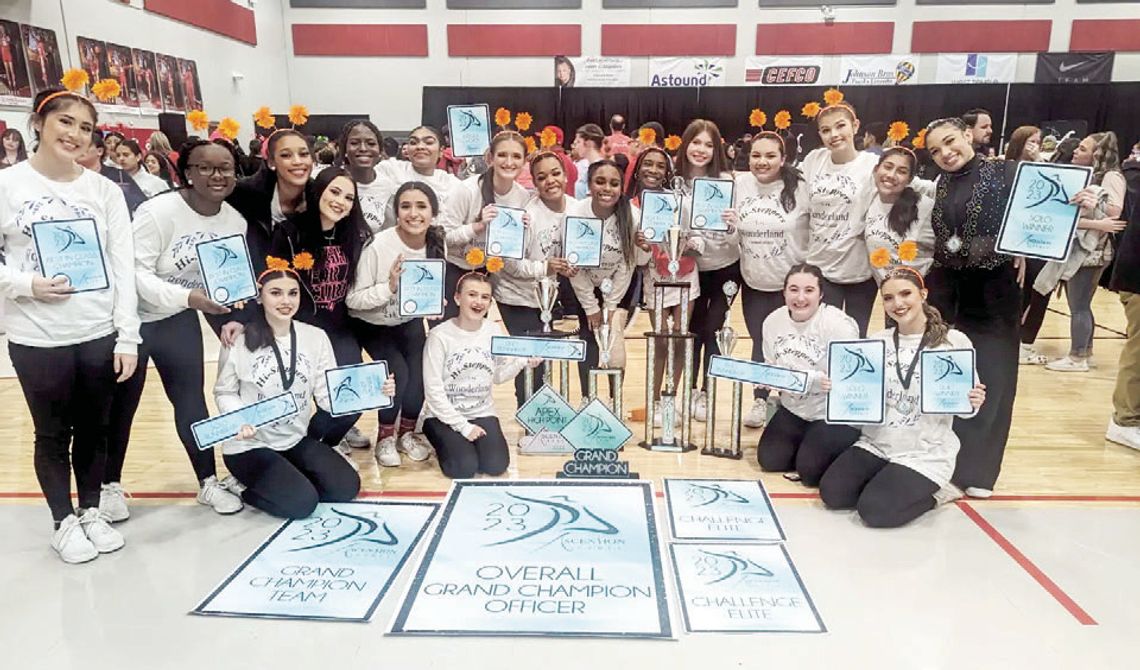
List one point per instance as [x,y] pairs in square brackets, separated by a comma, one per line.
[290,483]
[709,310]
[1033,304]
[790,443]
[593,353]
[521,321]
[324,426]
[886,495]
[175,346]
[68,391]
[460,458]
[403,347]
[757,306]
[856,300]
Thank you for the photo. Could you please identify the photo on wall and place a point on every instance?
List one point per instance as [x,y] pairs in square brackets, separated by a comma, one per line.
[15,87]
[169,83]
[121,68]
[188,77]
[93,60]
[45,68]
[146,80]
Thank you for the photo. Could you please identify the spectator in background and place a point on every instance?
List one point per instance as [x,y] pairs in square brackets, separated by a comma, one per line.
[1024,144]
[252,163]
[14,150]
[447,160]
[1124,426]
[159,142]
[392,149]
[586,150]
[981,123]
[159,165]
[873,135]
[617,142]
[111,148]
[93,159]
[1065,150]
[567,162]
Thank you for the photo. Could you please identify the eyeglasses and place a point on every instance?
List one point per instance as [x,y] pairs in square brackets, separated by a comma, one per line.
[209,170]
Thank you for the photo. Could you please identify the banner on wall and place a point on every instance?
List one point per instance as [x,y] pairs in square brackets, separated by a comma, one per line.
[786,70]
[666,72]
[45,68]
[888,70]
[15,85]
[976,68]
[146,80]
[1093,67]
[601,71]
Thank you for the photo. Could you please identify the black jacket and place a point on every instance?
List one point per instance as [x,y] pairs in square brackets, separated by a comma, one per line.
[1126,265]
[251,198]
[131,190]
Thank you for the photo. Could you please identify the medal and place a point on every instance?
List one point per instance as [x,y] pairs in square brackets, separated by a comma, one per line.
[954,244]
[904,406]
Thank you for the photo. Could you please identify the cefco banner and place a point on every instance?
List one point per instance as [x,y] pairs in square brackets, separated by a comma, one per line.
[602,71]
[878,70]
[976,68]
[787,70]
[686,72]
[1074,68]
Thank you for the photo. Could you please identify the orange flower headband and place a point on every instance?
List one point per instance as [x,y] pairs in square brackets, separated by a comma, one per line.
[301,261]
[906,269]
[53,96]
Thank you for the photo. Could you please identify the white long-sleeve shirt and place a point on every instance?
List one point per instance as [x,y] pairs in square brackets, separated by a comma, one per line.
[464,207]
[803,346]
[925,443]
[839,195]
[27,197]
[371,299]
[716,248]
[771,239]
[245,377]
[398,172]
[878,234]
[150,184]
[515,284]
[167,232]
[613,266]
[460,372]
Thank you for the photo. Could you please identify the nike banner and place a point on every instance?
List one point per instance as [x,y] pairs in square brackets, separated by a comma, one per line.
[1074,68]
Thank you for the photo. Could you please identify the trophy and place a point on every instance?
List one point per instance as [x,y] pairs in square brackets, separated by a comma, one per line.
[603,335]
[726,340]
[546,290]
[546,293]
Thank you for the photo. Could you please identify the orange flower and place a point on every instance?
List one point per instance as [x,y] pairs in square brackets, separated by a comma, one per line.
[919,141]
[276,264]
[106,89]
[832,96]
[672,143]
[908,250]
[298,115]
[198,119]
[229,128]
[494,264]
[75,79]
[880,258]
[531,145]
[757,118]
[303,261]
[547,138]
[811,110]
[523,121]
[502,117]
[475,257]
[647,136]
[783,119]
[264,118]
[898,131]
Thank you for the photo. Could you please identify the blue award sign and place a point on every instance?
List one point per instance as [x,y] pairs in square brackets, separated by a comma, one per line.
[858,381]
[506,235]
[553,348]
[750,372]
[721,509]
[596,427]
[711,197]
[217,429]
[420,291]
[226,269]
[470,129]
[1039,221]
[947,377]
[545,410]
[72,249]
[541,558]
[582,241]
[357,388]
[742,588]
[658,214]
[335,565]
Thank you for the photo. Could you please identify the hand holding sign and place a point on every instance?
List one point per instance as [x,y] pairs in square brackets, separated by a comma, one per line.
[54,289]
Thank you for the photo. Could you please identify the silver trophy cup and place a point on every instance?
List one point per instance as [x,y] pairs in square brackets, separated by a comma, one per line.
[546,290]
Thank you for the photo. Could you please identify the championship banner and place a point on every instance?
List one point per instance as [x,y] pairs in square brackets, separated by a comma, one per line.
[989,68]
[546,558]
[667,72]
[335,565]
[788,70]
[601,71]
[878,70]
[742,588]
[1090,67]
[721,509]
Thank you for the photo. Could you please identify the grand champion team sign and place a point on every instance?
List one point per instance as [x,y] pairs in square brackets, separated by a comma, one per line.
[541,558]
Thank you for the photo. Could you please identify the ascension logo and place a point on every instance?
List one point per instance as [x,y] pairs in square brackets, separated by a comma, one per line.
[663,206]
[352,532]
[1047,188]
[560,520]
[345,388]
[718,567]
[701,495]
[948,367]
[224,255]
[584,230]
[425,275]
[855,362]
[66,237]
[469,121]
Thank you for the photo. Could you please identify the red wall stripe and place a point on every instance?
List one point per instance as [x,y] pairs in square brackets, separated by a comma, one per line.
[1105,35]
[809,39]
[669,40]
[985,36]
[334,39]
[513,40]
[217,16]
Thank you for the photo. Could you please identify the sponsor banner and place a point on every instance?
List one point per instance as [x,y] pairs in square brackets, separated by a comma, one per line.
[1074,68]
[665,72]
[788,70]
[878,70]
[549,558]
[976,68]
[601,71]
[721,509]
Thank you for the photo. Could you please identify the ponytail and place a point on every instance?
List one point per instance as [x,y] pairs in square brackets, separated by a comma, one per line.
[904,212]
[936,328]
[435,242]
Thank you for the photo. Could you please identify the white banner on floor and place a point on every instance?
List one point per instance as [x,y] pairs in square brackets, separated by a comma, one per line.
[551,558]
[666,72]
[742,588]
[335,565]
[721,509]
[979,68]
[891,70]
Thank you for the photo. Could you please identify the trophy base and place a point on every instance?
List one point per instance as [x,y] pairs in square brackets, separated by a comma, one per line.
[667,448]
[723,453]
[554,334]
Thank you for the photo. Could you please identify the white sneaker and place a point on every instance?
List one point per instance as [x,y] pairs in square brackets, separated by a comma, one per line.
[97,529]
[978,492]
[757,416]
[1128,436]
[356,439]
[1029,356]
[71,543]
[223,496]
[947,494]
[113,502]
[700,406]
[415,446]
[1068,364]
[386,454]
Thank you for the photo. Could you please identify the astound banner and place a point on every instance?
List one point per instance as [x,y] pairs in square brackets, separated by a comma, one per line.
[1094,67]
[601,71]
[564,558]
[977,68]
[878,70]
[686,72]
[787,70]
